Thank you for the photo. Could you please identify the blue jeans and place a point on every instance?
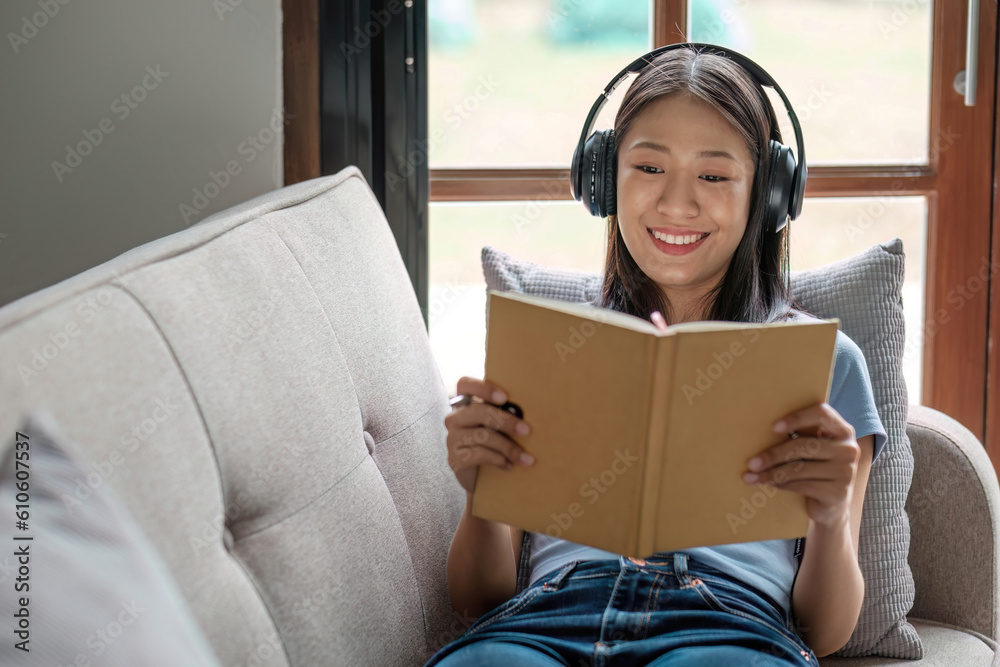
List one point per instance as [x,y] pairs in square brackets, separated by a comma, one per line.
[673,611]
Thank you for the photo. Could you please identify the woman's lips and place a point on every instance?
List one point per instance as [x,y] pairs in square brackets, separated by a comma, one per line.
[671,249]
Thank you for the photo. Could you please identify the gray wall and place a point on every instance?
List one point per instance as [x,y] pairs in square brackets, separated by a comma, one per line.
[202,87]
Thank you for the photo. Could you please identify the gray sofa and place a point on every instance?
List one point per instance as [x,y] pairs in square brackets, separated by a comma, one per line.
[304,449]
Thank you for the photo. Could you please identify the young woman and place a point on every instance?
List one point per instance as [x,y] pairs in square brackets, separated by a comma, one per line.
[688,240]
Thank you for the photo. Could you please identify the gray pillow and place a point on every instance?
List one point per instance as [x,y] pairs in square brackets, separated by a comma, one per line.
[864,291]
[97,591]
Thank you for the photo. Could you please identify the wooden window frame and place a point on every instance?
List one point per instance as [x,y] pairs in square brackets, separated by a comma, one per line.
[300,73]
[961,362]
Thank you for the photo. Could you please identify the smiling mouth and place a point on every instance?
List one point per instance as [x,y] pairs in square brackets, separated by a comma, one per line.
[683,240]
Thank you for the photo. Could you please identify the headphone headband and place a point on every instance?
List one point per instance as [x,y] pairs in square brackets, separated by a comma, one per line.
[755,70]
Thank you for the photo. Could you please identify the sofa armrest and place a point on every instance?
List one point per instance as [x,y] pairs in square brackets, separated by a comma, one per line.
[954,511]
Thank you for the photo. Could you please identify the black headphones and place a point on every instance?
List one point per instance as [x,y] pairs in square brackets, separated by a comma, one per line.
[593,171]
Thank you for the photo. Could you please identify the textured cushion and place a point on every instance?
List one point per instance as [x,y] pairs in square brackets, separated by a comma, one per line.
[97,591]
[945,646]
[271,393]
[864,291]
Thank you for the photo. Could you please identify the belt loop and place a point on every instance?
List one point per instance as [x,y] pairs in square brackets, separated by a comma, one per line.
[555,583]
[681,566]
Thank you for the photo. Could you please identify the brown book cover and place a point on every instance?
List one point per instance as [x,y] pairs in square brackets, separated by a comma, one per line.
[641,436]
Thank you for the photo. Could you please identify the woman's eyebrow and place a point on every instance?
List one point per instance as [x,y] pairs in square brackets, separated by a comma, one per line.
[663,149]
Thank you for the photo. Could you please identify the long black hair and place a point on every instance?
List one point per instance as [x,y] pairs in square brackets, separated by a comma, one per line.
[755,287]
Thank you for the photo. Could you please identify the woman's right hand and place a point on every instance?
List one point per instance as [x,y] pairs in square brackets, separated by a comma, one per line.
[481,433]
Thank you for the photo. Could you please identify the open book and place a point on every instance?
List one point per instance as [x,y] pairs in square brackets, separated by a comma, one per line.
[641,436]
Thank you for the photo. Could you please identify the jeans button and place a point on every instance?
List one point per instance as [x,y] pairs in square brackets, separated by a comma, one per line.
[637,561]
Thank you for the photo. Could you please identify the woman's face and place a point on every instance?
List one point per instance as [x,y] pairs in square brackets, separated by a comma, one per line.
[683,171]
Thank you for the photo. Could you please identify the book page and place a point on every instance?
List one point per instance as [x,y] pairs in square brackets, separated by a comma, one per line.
[728,388]
[583,386]
[593,313]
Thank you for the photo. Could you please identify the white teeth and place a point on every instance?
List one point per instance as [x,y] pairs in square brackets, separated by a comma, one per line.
[678,240]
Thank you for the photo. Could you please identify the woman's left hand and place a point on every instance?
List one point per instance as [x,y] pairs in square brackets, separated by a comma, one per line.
[820,463]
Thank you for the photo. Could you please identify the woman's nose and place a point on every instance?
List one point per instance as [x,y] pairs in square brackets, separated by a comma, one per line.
[677,200]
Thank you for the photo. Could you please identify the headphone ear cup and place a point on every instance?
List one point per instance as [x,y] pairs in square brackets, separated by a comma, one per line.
[779,188]
[585,171]
[607,197]
[588,173]
[576,176]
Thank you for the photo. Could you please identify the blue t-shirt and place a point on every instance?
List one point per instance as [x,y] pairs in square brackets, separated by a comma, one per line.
[769,566]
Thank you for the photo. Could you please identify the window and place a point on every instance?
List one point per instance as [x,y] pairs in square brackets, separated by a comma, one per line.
[503,129]
[493,94]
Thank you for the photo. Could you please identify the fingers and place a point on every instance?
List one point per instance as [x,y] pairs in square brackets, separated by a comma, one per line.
[483,389]
[831,487]
[488,415]
[820,463]
[485,412]
[806,448]
[796,471]
[482,433]
[484,425]
[659,320]
[820,417]
[461,458]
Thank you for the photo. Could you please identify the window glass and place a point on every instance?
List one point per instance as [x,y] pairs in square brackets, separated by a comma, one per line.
[857,72]
[511,81]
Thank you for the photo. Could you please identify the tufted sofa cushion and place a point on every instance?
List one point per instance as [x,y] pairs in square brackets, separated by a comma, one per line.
[259,391]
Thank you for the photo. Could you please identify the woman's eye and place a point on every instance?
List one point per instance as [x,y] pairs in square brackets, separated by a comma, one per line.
[648,170]
[711,178]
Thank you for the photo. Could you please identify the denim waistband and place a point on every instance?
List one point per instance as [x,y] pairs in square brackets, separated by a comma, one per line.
[675,562]
[680,564]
